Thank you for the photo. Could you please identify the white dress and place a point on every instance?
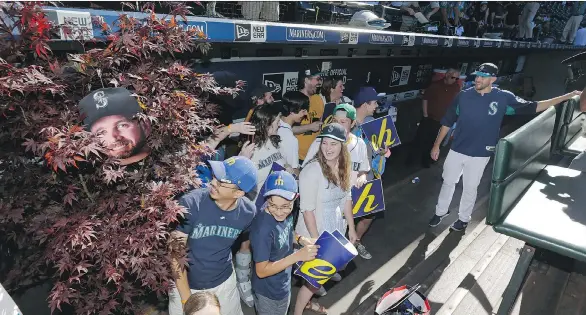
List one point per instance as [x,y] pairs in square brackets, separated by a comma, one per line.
[326,200]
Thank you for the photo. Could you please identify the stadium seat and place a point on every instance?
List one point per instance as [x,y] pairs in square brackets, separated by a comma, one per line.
[519,177]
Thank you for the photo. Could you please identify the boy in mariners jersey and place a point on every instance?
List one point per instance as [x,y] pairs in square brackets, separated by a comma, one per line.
[216,216]
[271,238]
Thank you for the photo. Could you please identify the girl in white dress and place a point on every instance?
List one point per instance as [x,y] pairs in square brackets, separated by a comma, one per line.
[325,200]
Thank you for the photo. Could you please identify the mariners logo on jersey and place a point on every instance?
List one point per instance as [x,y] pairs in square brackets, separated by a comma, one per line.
[493,108]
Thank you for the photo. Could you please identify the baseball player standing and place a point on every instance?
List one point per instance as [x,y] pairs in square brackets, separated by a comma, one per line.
[479,112]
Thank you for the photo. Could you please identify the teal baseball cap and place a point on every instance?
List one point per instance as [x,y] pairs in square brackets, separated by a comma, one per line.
[349,109]
[486,70]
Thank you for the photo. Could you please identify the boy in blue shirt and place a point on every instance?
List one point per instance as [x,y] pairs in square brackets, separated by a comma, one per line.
[479,112]
[271,238]
[216,216]
[366,103]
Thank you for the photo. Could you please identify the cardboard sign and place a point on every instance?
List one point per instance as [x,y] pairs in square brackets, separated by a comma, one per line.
[328,112]
[260,200]
[381,132]
[368,199]
[335,252]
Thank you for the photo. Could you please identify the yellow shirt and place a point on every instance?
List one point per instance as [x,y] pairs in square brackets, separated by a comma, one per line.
[316,110]
[249,115]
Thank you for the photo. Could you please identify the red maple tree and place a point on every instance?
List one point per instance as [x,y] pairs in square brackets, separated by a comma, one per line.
[69,214]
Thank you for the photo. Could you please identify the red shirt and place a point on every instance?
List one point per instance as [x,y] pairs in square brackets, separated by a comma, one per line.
[439,97]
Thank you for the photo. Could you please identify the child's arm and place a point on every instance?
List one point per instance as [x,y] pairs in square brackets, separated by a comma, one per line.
[268,268]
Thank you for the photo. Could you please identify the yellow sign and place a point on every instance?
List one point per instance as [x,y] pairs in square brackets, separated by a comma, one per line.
[378,140]
[368,199]
[318,269]
[364,196]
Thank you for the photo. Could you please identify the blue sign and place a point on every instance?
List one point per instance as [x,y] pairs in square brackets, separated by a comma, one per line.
[430,41]
[328,111]
[463,43]
[227,30]
[200,26]
[376,38]
[335,252]
[381,132]
[368,199]
[305,34]
[260,200]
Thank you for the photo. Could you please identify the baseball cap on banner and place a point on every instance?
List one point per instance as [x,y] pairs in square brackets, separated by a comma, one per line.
[349,109]
[365,95]
[281,183]
[108,102]
[487,70]
[236,170]
[334,131]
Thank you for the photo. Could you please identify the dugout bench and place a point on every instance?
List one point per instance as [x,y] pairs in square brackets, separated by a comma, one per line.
[535,201]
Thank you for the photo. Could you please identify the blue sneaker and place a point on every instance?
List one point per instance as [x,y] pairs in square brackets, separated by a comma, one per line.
[436,219]
[459,226]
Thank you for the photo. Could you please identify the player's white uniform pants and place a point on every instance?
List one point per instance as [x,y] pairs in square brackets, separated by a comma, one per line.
[456,165]
[226,292]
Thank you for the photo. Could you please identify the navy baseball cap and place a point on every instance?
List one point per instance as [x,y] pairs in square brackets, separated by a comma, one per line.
[334,131]
[308,72]
[365,95]
[282,184]
[108,102]
[260,91]
[236,170]
[486,70]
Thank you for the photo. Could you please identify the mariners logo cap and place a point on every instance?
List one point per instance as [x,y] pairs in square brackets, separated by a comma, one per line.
[487,70]
[334,131]
[237,170]
[108,102]
[282,184]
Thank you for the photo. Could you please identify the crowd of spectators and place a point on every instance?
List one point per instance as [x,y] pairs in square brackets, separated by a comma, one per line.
[544,21]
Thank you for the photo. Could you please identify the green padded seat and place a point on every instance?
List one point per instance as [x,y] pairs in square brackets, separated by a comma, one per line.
[519,158]
[552,213]
[567,137]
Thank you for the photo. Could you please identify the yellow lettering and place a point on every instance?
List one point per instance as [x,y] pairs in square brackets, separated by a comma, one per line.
[364,196]
[279,181]
[327,121]
[231,161]
[318,269]
[377,140]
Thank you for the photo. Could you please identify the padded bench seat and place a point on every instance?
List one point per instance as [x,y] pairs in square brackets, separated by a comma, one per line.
[552,213]
[578,144]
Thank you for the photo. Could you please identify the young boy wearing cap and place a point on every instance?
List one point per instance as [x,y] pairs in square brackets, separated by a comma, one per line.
[294,107]
[479,112]
[366,102]
[272,238]
[216,216]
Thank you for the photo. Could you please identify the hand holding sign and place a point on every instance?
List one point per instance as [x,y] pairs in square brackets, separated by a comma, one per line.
[381,133]
[334,252]
[368,199]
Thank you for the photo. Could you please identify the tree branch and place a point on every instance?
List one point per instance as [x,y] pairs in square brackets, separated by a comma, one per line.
[85,188]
